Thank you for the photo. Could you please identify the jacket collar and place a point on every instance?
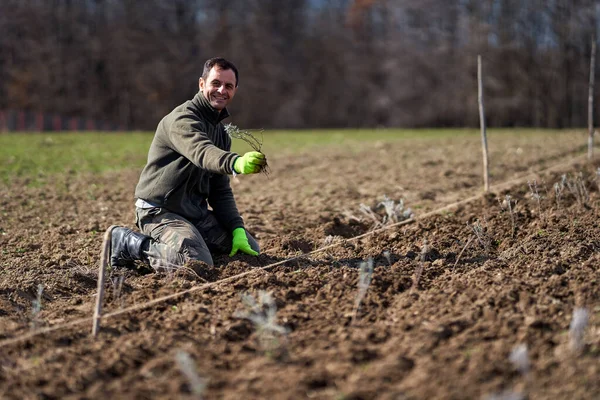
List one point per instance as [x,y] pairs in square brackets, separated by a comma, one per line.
[207,111]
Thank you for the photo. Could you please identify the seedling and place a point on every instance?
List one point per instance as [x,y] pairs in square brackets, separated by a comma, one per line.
[482,237]
[393,212]
[508,205]
[421,266]
[577,329]
[350,217]
[520,359]
[535,195]
[188,368]
[117,286]
[388,257]
[506,395]
[247,136]
[577,188]
[364,280]
[37,307]
[262,312]
[462,251]
[37,303]
[370,214]
[559,187]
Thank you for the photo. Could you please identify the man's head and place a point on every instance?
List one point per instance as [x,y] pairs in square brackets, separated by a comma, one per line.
[219,82]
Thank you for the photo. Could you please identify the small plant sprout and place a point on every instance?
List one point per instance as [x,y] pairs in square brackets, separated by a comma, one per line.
[388,256]
[262,312]
[188,369]
[577,188]
[559,187]
[37,306]
[482,237]
[329,239]
[424,251]
[394,212]
[247,136]
[577,329]
[364,280]
[370,214]
[350,217]
[506,395]
[598,178]
[520,359]
[509,205]
[421,266]
[535,195]
[117,285]
[462,251]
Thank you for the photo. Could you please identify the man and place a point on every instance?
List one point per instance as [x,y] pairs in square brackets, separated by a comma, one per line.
[188,166]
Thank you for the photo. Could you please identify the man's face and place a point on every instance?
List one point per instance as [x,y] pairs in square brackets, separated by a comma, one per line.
[219,87]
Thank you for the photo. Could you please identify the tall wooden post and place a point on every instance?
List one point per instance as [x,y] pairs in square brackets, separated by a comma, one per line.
[486,168]
[591,100]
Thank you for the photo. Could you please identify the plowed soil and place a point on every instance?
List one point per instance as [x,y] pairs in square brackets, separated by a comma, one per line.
[444,310]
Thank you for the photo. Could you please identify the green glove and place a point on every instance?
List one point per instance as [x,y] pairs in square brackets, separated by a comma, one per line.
[249,163]
[240,242]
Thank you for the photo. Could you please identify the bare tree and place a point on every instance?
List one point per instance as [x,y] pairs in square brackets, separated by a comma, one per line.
[333,63]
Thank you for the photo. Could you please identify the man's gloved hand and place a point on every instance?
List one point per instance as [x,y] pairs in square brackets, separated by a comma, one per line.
[240,242]
[249,163]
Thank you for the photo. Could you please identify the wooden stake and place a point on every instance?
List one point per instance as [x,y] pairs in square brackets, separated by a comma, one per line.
[591,101]
[104,261]
[486,168]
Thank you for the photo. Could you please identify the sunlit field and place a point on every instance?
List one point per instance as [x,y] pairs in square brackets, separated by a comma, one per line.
[470,296]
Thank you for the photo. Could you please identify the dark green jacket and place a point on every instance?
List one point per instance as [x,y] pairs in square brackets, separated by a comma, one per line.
[188,164]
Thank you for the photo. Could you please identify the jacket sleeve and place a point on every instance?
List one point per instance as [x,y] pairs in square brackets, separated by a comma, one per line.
[223,203]
[188,138]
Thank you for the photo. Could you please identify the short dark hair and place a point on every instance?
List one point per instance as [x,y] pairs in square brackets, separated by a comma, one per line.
[219,63]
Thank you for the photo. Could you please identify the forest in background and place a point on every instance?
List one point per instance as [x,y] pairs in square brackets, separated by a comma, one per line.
[303,63]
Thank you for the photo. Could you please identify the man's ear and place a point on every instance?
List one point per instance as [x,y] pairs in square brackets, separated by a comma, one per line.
[201,83]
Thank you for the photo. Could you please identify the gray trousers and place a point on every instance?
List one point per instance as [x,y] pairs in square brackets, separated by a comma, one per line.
[177,240]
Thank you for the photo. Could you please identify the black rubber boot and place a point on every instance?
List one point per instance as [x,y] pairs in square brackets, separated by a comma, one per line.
[126,246]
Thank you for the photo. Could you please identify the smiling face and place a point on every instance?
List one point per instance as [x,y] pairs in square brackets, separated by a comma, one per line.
[219,87]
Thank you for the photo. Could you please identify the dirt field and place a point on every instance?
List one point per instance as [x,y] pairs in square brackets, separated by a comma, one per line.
[439,319]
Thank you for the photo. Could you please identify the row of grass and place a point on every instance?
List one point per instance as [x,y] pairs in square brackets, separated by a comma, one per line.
[33,157]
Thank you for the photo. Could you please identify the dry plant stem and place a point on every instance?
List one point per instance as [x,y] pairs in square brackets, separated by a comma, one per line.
[536,195]
[364,280]
[254,142]
[262,312]
[510,211]
[37,307]
[484,146]
[578,190]
[462,251]
[117,285]
[187,270]
[421,266]
[104,260]
[482,237]
[188,368]
[579,323]
[591,100]
[558,192]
